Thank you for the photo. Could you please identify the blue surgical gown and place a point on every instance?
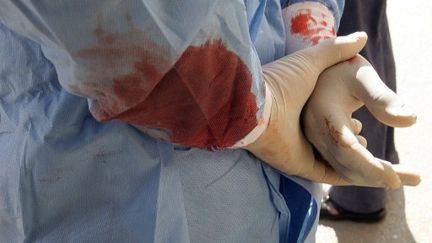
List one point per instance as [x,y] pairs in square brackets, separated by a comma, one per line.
[90,152]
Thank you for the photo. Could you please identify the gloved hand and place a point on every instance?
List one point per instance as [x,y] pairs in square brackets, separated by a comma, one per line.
[328,125]
[291,80]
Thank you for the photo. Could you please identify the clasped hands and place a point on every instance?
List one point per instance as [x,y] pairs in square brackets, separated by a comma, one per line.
[314,93]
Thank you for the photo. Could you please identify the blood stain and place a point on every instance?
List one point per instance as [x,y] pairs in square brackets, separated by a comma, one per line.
[333,133]
[204,98]
[207,100]
[306,25]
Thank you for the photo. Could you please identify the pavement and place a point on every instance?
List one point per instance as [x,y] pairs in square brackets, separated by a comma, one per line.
[409,217]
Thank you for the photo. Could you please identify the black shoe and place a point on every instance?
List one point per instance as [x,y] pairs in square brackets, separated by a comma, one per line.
[332,211]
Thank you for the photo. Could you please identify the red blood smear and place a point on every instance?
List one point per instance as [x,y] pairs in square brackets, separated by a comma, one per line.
[333,31]
[203,100]
[300,24]
[307,26]
[315,40]
[112,54]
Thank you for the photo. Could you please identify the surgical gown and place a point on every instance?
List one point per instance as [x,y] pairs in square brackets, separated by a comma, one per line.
[116,116]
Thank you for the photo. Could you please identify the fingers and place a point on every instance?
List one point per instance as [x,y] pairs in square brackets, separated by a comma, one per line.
[375,172]
[332,51]
[362,140]
[408,176]
[381,101]
[350,157]
[322,172]
[356,125]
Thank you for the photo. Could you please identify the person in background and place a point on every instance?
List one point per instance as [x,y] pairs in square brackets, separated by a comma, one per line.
[367,204]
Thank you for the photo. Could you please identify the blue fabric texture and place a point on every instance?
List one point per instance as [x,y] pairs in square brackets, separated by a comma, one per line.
[66,177]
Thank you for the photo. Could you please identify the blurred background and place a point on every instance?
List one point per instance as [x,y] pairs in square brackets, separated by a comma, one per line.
[409,212]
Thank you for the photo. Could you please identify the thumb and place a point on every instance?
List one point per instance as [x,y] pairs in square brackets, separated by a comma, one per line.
[333,51]
[381,101]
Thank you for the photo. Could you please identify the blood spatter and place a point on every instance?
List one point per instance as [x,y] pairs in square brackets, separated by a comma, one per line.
[334,135]
[333,31]
[119,58]
[312,29]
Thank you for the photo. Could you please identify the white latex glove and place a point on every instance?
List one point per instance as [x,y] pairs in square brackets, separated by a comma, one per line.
[328,124]
[291,81]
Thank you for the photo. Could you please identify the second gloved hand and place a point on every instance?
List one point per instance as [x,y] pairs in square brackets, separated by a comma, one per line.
[340,91]
[290,81]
